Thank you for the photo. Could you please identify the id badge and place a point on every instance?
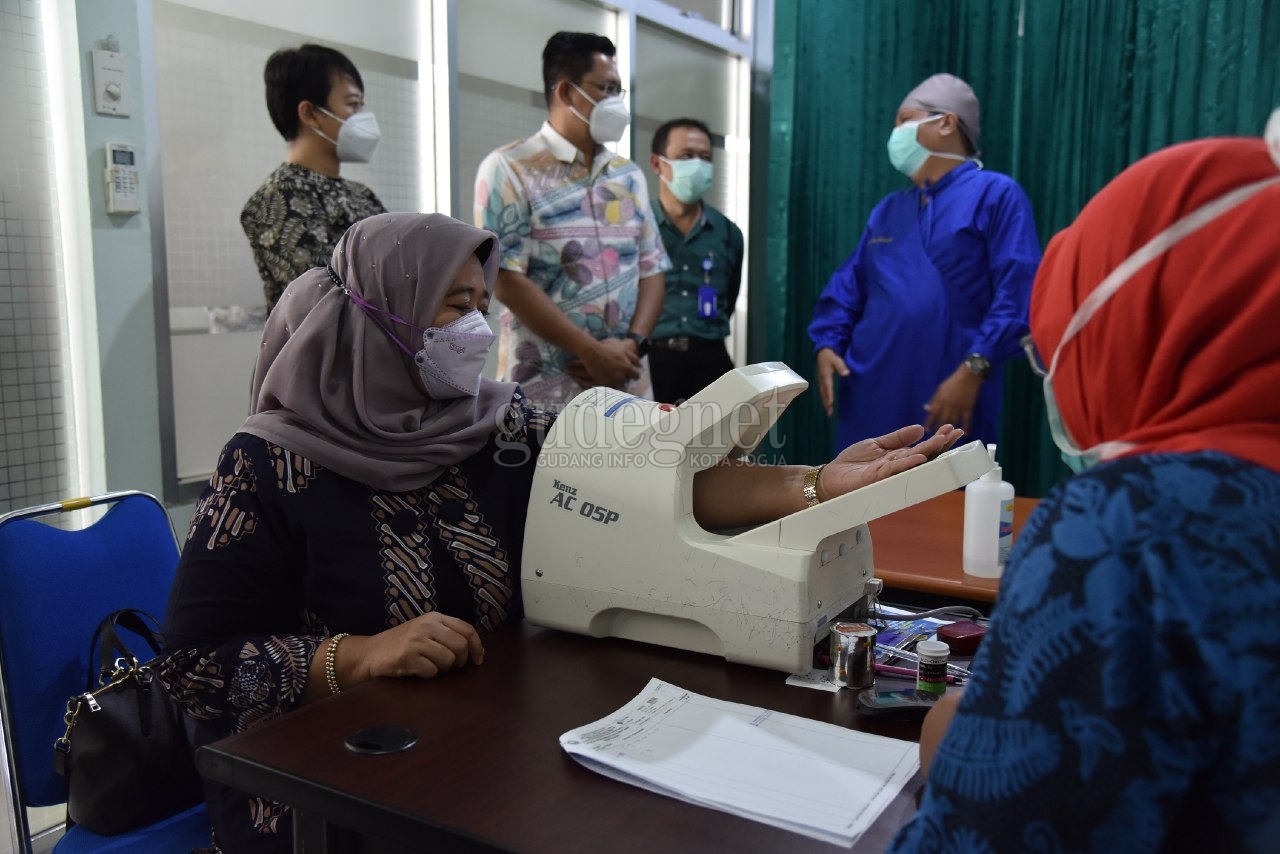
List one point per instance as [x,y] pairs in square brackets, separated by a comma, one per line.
[706,301]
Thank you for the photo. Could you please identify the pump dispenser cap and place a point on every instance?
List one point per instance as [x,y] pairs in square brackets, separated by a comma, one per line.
[996,474]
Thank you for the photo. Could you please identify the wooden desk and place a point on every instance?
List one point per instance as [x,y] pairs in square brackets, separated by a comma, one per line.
[919,548]
[488,773]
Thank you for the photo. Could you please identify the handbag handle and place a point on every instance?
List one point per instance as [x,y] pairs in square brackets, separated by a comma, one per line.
[113,647]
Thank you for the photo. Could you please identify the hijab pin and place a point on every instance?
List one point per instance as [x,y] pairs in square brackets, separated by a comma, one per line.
[333,277]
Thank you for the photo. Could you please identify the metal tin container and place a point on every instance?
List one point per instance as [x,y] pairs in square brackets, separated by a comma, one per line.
[853,654]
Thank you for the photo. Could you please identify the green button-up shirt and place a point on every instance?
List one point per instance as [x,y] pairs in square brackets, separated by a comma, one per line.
[714,238]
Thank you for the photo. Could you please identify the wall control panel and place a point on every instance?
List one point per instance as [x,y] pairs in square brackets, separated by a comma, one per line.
[110,83]
[122,179]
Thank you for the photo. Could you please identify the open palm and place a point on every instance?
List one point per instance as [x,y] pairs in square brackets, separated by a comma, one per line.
[876,459]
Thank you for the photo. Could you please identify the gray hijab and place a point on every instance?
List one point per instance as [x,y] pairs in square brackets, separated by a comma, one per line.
[331,385]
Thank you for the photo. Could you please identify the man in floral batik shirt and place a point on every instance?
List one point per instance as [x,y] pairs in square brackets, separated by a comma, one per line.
[581,280]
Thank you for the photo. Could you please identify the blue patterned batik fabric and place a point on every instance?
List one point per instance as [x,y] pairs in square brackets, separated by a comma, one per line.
[1127,695]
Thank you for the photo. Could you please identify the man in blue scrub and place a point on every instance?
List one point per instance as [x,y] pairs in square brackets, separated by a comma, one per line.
[918,322]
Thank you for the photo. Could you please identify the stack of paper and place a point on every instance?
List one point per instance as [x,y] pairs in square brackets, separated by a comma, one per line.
[814,778]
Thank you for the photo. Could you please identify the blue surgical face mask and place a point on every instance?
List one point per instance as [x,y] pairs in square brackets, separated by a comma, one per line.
[690,179]
[906,153]
[1077,460]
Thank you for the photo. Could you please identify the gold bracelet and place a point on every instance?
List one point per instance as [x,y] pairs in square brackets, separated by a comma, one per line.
[811,485]
[330,658]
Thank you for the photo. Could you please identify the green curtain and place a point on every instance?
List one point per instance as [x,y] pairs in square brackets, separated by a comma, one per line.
[1072,92]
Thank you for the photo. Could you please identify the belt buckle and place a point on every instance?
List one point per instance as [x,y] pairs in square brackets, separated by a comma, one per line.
[679,342]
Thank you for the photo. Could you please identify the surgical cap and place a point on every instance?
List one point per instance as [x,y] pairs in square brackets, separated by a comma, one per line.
[946,93]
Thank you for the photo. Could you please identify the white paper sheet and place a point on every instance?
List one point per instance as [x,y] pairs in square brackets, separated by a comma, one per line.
[809,777]
[819,680]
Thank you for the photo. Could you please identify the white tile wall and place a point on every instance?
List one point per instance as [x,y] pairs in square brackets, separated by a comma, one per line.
[35,451]
[487,120]
[218,144]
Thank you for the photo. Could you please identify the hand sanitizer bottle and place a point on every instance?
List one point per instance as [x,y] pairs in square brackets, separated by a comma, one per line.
[988,523]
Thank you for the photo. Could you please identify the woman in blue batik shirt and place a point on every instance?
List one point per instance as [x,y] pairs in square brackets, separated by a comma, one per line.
[1127,696]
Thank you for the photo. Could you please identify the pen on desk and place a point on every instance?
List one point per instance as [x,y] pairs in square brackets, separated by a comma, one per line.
[953,669]
[907,671]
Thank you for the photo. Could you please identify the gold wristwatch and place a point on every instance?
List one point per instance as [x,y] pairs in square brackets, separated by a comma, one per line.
[811,485]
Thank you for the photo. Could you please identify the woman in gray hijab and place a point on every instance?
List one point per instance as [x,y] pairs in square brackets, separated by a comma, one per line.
[360,524]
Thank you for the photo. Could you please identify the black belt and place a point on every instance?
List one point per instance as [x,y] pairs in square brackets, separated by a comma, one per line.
[686,342]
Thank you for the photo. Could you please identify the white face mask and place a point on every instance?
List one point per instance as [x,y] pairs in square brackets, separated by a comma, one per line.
[1072,455]
[609,118]
[452,356]
[358,137]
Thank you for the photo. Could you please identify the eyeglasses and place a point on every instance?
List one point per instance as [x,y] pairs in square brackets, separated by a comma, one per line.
[1033,356]
[610,90]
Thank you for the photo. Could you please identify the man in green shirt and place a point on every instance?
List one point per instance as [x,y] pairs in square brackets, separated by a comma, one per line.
[688,351]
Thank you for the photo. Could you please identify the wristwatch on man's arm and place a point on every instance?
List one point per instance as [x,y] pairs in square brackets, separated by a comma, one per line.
[642,343]
[978,364]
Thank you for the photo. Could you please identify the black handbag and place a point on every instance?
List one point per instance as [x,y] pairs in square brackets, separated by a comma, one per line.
[125,754]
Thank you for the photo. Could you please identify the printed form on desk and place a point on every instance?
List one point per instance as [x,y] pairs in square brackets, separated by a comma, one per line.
[805,776]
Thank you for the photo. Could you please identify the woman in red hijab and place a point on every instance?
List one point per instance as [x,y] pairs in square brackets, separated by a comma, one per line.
[1127,696]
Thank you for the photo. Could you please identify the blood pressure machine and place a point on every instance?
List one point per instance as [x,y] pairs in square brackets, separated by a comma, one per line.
[612,549]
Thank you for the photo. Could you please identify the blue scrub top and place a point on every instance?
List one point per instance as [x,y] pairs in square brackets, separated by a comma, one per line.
[940,272]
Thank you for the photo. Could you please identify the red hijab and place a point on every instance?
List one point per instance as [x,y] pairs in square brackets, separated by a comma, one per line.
[1185,356]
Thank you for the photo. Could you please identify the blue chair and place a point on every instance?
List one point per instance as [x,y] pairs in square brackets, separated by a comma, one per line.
[56,585]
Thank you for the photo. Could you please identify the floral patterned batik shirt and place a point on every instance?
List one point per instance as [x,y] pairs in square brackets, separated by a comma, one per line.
[585,235]
[1127,694]
[294,220]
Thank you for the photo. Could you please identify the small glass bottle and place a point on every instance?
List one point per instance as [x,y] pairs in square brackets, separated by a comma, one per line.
[932,671]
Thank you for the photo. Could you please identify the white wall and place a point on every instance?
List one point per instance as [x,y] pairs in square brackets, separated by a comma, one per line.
[502,41]
[385,26]
[36,459]
[124,292]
